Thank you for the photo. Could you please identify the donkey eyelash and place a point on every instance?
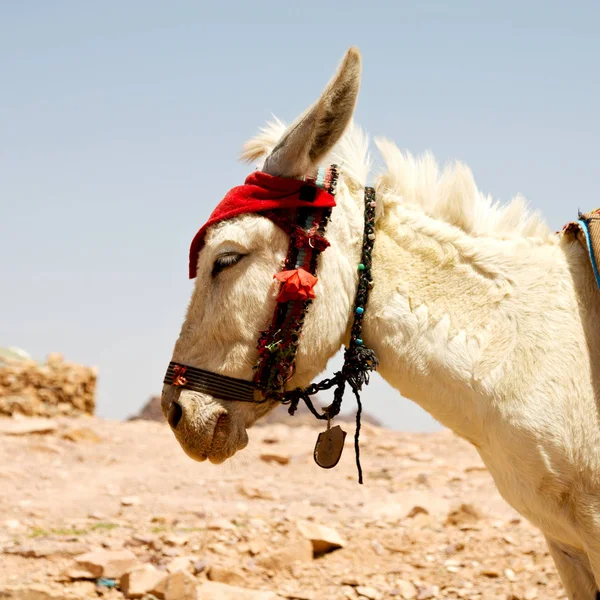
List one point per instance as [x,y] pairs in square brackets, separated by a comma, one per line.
[226,260]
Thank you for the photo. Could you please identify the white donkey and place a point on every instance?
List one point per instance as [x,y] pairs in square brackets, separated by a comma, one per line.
[478,313]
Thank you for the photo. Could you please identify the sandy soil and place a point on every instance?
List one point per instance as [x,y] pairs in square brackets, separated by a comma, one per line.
[98,485]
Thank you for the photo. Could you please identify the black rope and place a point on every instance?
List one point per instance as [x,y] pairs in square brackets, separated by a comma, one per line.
[359,360]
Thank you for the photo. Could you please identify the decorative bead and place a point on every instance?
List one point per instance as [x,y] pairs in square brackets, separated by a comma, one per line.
[361,267]
[372,204]
[370,284]
[359,341]
[359,310]
[371,236]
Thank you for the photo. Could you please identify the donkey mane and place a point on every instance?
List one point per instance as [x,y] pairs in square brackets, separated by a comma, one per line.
[416,183]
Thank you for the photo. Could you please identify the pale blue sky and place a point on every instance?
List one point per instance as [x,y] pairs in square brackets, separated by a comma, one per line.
[120,124]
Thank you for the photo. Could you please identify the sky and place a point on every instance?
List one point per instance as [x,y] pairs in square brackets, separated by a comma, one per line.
[121,124]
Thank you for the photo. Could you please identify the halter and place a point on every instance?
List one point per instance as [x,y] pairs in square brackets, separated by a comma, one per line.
[277,345]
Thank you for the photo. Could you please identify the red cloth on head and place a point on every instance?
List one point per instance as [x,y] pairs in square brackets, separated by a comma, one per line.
[260,193]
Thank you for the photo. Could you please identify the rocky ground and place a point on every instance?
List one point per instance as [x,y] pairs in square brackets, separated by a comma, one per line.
[100,509]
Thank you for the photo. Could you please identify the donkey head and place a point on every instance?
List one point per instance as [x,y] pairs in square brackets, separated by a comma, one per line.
[234,294]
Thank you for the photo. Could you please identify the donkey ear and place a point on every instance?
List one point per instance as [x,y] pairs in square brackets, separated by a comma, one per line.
[318,129]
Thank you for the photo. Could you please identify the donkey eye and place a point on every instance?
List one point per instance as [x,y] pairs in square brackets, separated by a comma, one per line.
[226,260]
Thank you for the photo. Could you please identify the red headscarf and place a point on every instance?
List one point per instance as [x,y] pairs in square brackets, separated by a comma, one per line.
[260,193]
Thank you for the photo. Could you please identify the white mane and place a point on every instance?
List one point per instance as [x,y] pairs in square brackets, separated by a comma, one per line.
[451,196]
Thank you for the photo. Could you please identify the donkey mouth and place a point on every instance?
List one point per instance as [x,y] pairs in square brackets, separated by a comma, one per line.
[216,441]
[204,431]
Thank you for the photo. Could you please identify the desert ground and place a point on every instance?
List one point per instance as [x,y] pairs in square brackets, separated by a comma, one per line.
[91,508]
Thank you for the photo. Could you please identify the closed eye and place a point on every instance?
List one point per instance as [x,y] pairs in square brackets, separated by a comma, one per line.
[226,260]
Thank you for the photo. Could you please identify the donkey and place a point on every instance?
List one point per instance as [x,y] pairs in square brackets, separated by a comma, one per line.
[478,312]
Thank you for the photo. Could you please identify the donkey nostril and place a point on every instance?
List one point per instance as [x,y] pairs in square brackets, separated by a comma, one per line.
[174,415]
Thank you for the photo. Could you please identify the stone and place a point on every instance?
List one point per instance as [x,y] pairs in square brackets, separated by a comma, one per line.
[199,566]
[176,540]
[454,548]
[323,539]
[212,590]
[39,592]
[491,573]
[255,493]
[293,594]
[181,563]
[300,550]
[257,546]
[138,582]
[26,426]
[275,457]
[530,594]
[222,549]
[421,457]
[105,563]
[130,501]
[97,516]
[417,510]
[81,434]
[422,479]
[377,547]
[177,586]
[369,592]
[138,539]
[406,590]
[270,439]
[427,591]
[510,574]
[465,514]
[49,550]
[226,575]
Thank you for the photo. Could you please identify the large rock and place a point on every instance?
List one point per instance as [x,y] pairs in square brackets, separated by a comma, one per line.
[46,390]
[177,586]
[111,564]
[323,539]
[141,581]
[181,563]
[300,550]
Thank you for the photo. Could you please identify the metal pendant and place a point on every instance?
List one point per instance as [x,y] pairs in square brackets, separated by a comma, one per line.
[329,447]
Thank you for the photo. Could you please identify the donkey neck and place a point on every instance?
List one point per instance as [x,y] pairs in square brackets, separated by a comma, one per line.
[442,315]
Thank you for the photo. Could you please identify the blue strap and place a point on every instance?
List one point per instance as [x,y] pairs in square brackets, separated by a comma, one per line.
[586,230]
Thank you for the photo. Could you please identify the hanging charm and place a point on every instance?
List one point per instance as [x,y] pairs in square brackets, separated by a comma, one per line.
[329,446]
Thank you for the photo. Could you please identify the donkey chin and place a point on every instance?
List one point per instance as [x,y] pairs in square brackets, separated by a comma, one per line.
[202,426]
